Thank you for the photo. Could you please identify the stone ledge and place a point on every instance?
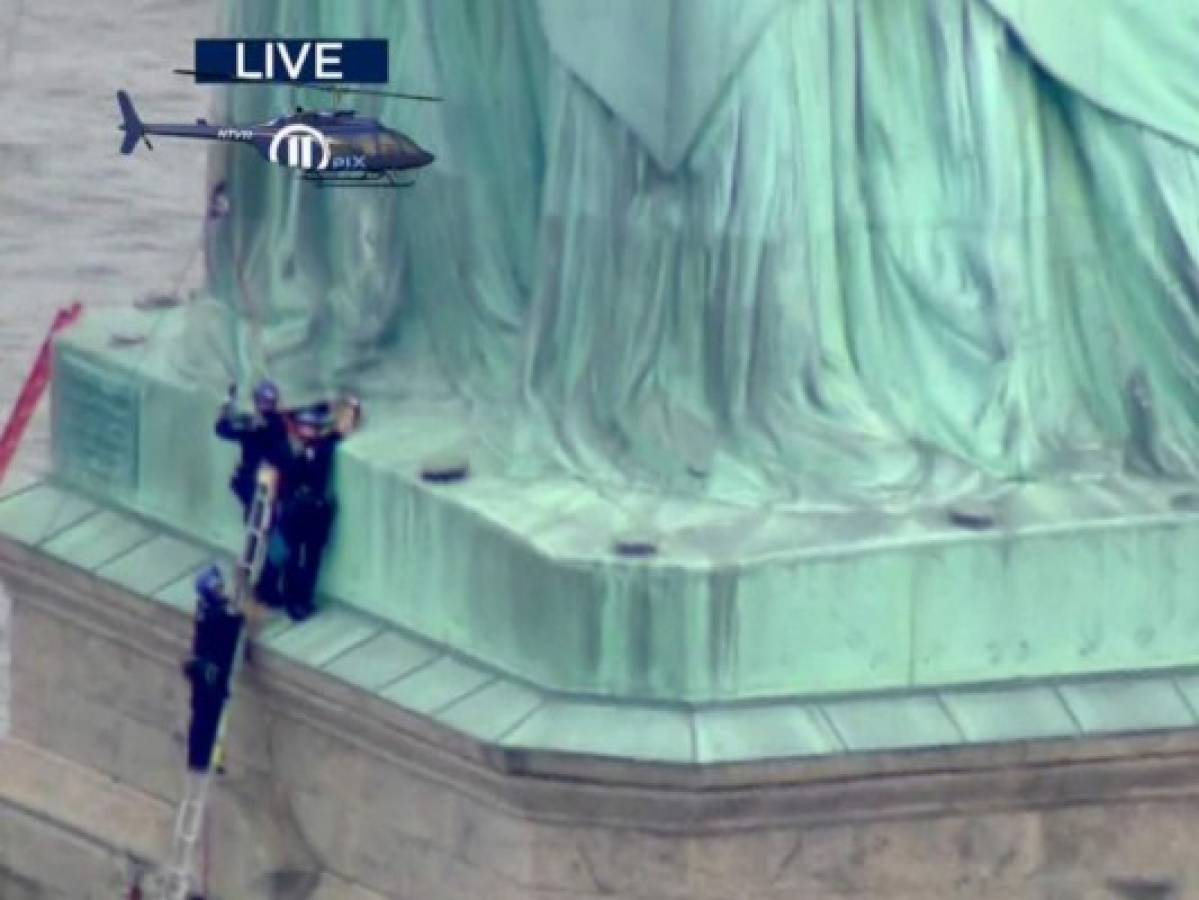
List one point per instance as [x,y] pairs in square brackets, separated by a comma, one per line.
[656,796]
[141,586]
[333,786]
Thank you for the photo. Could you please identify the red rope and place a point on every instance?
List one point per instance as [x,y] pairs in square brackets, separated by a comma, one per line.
[32,390]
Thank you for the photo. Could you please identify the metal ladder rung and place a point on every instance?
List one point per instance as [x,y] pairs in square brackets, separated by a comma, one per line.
[189,819]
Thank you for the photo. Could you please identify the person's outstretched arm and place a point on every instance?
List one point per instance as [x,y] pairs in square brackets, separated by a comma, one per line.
[230,424]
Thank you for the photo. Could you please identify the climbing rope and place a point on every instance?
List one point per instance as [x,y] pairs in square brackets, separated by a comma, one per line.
[33,389]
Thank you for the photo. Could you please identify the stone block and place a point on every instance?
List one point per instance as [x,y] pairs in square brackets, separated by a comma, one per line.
[16,887]
[29,711]
[331,887]
[493,841]
[395,863]
[382,858]
[630,863]
[255,833]
[116,676]
[42,642]
[5,660]
[151,759]
[328,824]
[68,658]
[248,744]
[305,758]
[1150,842]
[981,853]
[821,862]
[62,863]
[80,729]
[725,864]
[557,861]
[153,692]
[402,801]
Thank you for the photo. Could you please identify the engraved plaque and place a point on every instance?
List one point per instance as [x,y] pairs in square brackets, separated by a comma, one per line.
[95,420]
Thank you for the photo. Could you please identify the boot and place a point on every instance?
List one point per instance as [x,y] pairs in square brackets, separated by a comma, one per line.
[298,612]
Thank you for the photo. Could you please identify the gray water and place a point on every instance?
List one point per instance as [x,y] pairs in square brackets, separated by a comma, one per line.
[77,219]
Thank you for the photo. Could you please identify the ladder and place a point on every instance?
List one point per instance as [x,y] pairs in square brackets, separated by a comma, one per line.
[176,877]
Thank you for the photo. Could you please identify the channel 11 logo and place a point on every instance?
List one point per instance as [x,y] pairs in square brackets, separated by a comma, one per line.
[291,61]
[300,141]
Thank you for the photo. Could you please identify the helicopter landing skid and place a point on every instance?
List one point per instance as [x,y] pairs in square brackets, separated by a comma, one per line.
[371,180]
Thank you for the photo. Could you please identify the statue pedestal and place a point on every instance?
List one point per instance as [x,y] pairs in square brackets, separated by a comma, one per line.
[362,764]
[494,700]
[733,606]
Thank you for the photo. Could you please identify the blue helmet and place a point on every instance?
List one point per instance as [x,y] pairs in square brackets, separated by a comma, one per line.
[266,396]
[210,584]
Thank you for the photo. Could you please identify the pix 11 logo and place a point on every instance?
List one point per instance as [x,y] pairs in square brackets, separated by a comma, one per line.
[300,140]
[291,60]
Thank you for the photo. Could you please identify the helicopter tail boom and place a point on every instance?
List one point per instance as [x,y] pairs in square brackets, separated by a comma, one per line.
[131,124]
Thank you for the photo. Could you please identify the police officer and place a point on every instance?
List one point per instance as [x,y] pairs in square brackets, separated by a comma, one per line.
[214,646]
[262,436]
[307,510]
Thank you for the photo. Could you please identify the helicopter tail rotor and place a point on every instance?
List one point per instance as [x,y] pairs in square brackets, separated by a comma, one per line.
[131,124]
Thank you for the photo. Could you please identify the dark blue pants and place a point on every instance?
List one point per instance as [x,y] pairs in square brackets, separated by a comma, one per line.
[208,702]
[306,526]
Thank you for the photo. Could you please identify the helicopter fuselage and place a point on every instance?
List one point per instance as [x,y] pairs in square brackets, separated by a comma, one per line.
[319,143]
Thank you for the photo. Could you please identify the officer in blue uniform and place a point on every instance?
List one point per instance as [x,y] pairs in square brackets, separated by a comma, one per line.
[261,435]
[210,667]
[306,509]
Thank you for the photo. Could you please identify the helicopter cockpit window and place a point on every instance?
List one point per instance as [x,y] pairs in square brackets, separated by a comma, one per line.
[397,144]
[365,143]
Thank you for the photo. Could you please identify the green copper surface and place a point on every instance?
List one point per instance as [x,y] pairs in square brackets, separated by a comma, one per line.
[1082,577]
[399,667]
[761,254]
[775,287]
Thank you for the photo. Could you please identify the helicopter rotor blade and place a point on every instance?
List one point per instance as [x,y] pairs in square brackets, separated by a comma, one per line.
[377,93]
[326,88]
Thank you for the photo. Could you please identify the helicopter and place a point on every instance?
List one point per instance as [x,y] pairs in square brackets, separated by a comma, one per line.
[333,147]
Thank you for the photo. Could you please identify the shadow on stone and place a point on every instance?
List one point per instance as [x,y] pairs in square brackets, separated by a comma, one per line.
[1187,501]
[262,853]
[635,544]
[972,516]
[1142,889]
[288,884]
[445,469]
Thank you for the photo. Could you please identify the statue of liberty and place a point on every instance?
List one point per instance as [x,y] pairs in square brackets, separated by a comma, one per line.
[806,253]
